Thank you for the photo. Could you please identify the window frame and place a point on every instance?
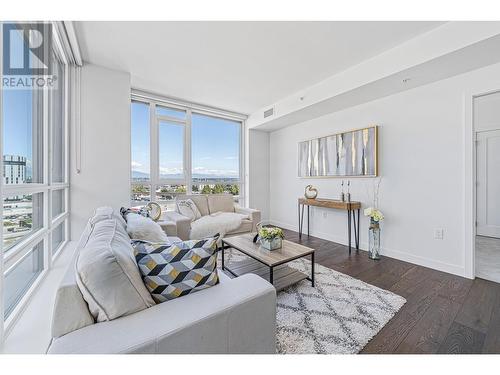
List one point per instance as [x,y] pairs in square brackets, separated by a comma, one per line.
[19,251]
[155,181]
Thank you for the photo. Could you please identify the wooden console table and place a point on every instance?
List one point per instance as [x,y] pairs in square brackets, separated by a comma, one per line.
[350,207]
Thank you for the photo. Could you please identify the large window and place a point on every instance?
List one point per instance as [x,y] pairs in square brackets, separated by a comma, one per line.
[178,149]
[35,187]
[215,145]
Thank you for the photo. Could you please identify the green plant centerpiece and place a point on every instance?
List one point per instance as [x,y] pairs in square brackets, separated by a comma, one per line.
[271,238]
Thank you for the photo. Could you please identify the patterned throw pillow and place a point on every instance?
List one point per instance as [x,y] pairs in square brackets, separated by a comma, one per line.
[187,207]
[171,271]
[143,211]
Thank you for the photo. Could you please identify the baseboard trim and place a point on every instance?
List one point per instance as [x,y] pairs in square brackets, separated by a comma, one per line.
[391,253]
[487,276]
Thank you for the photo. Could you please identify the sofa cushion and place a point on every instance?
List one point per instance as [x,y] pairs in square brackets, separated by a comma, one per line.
[100,213]
[182,224]
[199,199]
[172,271]
[220,203]
[107,274]
[187,208]
[144,228]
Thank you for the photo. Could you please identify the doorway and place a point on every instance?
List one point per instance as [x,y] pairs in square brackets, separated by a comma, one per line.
[487,123]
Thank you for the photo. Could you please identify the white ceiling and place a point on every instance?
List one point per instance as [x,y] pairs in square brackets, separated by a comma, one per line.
[238,66]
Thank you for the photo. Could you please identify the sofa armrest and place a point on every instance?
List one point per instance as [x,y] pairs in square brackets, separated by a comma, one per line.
[253,214]
[71,312]
[169,227]
[182,223]
[236,316]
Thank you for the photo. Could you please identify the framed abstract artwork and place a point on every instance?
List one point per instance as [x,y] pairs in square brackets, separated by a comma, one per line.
[348,154]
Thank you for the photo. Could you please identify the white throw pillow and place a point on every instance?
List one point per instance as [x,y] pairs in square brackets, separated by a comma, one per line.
[187,207]
[143,228]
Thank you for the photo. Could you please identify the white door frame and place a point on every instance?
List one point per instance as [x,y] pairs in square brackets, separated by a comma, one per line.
[483,226]
[469,162]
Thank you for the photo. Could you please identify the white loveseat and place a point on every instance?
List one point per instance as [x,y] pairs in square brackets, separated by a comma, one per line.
[235,316]
[209,205]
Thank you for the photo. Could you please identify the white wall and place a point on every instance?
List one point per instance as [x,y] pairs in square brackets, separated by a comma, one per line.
[487,112]
[258,171]
[105,145]
[421,161]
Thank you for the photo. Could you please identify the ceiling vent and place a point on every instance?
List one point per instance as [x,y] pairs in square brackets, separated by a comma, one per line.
[269,112]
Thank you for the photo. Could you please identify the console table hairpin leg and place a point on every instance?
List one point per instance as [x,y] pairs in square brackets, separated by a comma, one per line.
[353,213]
[301,220]
[353,217]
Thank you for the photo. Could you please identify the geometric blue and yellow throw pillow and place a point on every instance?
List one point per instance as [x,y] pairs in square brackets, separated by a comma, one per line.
[171,271]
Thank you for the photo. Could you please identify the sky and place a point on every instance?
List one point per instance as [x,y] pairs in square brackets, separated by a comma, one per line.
[17,124]
[17,112]
[215,145]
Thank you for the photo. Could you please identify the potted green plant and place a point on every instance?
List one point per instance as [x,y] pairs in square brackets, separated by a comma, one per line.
[271,238]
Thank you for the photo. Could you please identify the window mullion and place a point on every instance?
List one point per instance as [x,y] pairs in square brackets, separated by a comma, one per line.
[2,323]
[25,189]
[47,169]
[171,119]
[154,151]
[67,121]
[188,155]
[242,176]
[24,247]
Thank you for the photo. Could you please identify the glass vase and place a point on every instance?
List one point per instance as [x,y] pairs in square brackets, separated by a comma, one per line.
[374,240]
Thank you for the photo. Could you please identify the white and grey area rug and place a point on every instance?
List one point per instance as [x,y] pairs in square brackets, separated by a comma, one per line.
[338,316]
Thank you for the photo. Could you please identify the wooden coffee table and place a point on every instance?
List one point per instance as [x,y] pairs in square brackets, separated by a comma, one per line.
[270,265]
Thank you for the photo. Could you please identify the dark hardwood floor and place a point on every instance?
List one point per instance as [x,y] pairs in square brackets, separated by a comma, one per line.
[443,313]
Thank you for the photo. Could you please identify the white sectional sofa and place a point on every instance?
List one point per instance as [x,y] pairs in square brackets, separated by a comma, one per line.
[236,316]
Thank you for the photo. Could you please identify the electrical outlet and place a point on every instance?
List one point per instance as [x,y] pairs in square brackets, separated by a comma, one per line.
[325,214]
[438,233]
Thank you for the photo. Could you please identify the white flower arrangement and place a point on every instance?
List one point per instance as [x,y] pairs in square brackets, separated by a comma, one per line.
[374,214]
